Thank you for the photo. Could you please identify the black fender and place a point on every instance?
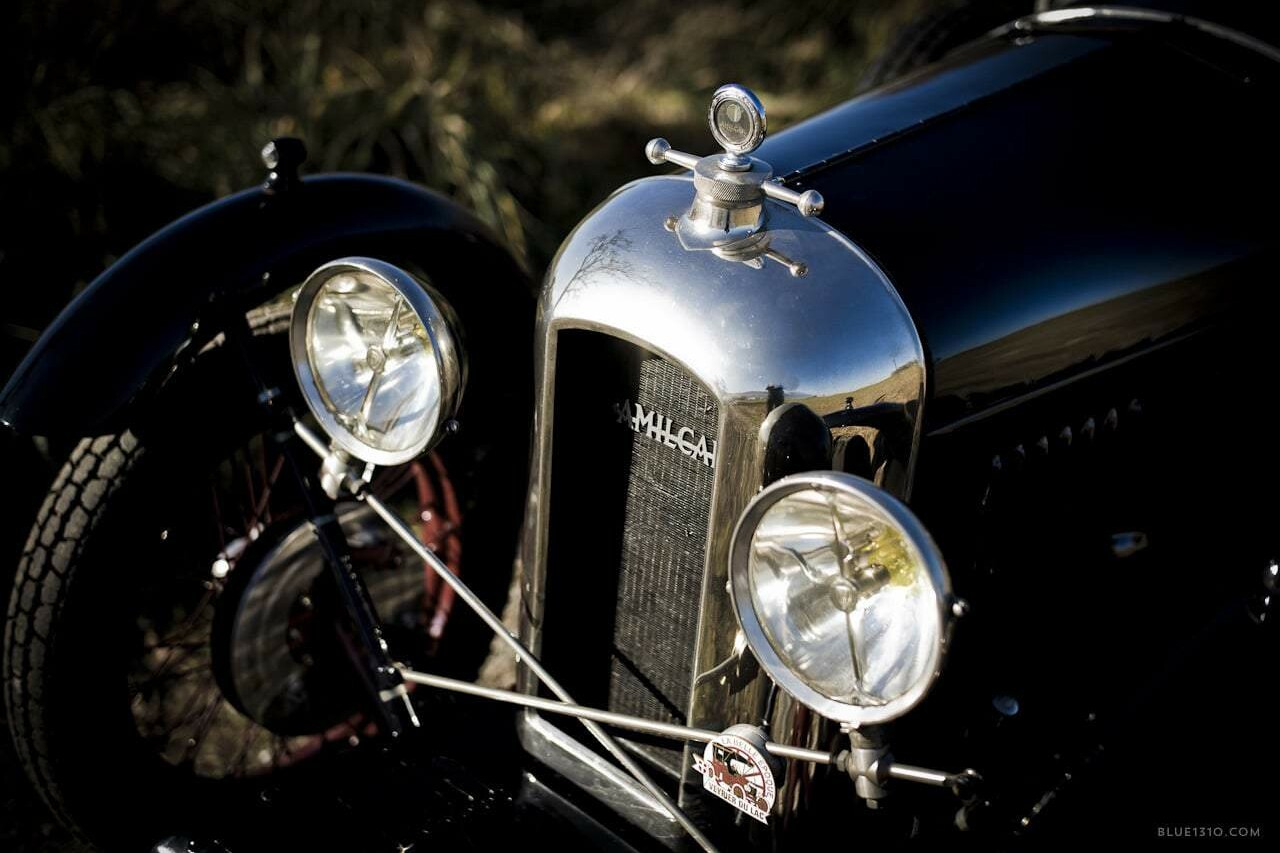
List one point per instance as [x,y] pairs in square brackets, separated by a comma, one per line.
[109,360]
[115,342]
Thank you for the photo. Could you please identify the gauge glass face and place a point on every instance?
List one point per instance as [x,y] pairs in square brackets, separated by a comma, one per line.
[734,123]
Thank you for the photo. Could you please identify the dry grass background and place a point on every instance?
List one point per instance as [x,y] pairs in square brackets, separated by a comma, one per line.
[119,116]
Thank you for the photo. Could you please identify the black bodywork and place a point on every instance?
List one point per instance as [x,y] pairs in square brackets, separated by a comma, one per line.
[1119,173]
[1079,219]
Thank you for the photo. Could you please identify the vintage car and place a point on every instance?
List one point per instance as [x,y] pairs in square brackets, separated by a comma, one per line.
[902,474]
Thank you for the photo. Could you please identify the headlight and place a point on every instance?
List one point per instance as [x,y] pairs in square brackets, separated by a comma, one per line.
[376,356]
[841,594]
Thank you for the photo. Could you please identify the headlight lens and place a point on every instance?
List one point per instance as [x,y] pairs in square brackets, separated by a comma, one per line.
[841,594]
[376,357]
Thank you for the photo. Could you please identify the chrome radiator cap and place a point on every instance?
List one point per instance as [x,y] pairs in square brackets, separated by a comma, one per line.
[728,216]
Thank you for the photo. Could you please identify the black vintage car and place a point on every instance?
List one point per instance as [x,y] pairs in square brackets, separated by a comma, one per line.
[902,475]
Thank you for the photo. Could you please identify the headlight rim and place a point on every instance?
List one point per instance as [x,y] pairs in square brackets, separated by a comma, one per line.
[757,638]
[446,348]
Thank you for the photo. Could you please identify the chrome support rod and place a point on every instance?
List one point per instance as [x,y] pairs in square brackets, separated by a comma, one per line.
[809,202]
[358,488]
[909,773]
[622,721]
[887,766]
[310,439]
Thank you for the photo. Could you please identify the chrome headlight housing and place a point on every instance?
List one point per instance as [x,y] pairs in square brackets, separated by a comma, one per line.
[376,355]
[842,596]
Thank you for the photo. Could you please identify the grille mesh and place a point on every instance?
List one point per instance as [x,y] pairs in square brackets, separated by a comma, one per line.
[628,529]
[664,542]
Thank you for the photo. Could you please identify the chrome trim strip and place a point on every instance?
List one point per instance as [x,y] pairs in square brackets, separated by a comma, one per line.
[1138,15]
[596,776]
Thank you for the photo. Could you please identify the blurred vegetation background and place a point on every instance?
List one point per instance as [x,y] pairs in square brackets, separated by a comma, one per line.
[119,116]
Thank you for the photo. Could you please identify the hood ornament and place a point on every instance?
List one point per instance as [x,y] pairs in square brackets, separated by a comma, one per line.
[728,214]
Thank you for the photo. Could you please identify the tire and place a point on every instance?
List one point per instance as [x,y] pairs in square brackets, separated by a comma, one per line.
[937,33]
[89,583]
[33,622]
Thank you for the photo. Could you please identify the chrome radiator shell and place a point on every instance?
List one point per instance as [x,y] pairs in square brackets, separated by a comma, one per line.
[838,340]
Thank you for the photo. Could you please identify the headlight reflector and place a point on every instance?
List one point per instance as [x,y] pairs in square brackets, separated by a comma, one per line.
[841,594]
[376,356]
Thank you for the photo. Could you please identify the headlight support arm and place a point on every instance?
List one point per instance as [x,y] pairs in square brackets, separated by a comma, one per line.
[355,483]
[868,760]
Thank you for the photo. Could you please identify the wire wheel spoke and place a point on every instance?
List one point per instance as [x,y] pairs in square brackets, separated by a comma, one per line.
[204,722]
[246,508]
[164,679]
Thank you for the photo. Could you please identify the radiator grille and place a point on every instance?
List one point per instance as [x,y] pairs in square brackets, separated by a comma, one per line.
[628,527]
[664,542]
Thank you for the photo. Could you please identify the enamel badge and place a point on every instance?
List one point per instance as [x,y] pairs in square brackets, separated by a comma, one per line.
[736,771]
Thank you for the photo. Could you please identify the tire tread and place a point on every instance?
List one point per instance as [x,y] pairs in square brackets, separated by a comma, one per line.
[95,470]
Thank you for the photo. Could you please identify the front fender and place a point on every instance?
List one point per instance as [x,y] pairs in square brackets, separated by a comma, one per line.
[97,360]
